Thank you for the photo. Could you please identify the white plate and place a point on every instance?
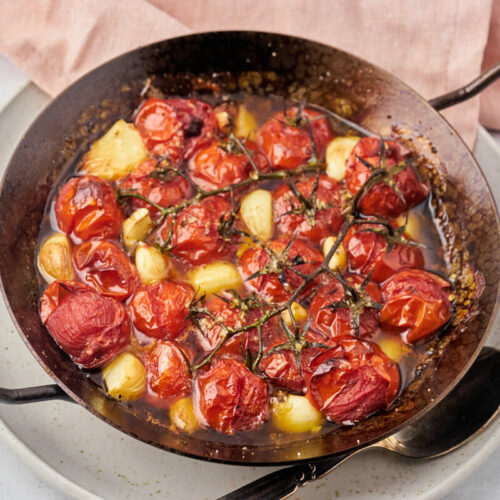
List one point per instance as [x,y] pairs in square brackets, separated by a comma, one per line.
[82,456]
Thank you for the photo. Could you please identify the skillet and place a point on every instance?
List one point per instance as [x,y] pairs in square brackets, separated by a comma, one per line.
[260,63]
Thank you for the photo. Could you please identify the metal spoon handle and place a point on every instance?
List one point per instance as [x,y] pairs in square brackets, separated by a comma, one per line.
[284,482]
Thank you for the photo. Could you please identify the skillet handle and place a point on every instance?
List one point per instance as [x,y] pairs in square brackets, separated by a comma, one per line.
[468,91]
[282,483]
[32,394]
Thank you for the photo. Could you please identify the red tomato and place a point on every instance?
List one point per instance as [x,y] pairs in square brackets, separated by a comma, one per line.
[161,310]
[231,398]
[86,208]
[214,167]
[168,373]
[336,322]
[367,252]
[282,370]
[105,268]
[351,381]
[269,286]
[382,199]
[176,127]
[196,239]
[163,193]
[327,221]
[88,327]
[289,146]
[416,304]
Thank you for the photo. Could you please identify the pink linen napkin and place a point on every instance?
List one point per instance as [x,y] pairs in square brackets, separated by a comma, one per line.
[433,46]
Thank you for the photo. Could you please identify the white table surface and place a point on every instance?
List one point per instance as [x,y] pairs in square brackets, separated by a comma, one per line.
[17,481]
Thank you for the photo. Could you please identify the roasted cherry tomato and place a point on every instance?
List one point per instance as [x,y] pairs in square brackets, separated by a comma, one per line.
[231,398]
[325,200]
[165,191]
[351,381]
[168,373]
[176,127]
[217,166]
[367,253]
[86,208]
[381,199]
[87,326]
[416,303]
[272,286]
[161,310]
[332,321]
[286,140]
[281,369]
[196,238]
[105,268]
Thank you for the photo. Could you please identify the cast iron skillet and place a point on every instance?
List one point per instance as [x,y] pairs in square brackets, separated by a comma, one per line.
[261,63]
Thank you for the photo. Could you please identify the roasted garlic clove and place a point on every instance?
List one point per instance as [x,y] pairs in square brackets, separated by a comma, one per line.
[116,153]
[337,153]
[245,125]
[294,414]
[392,348]
[257,213]
[299,314]
[54,259]
[339,258]
[125,377]
[183,417]
[136,228]
[413,221]
[151,264]
[215,277]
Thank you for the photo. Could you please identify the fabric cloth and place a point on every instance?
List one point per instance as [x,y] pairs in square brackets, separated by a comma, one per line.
[433,46]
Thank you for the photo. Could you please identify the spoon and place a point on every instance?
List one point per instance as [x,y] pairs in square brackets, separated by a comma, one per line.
[460,416]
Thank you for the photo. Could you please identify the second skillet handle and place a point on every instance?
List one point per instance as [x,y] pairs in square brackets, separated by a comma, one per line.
[32,394]
[467,91]
[284,482]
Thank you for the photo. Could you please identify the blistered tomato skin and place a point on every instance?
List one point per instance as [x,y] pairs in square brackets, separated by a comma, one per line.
[167,372]
[196,239]
[302,256]
[281,369]
[381,199]
[230,398]
[416,304]
[86,208]
[161,310]
[176,127]
[164,193]
[328,215]
[367,253]
[351,381]
[104,267]
[215,167]
[333,323]
[89,327]
[289,146]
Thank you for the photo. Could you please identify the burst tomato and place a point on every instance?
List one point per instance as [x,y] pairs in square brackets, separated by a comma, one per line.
[367,252]
[176,127]
[196,238]
[86,208]
[89,327]
[215,167]
[231,398]
[381,199]
[163,192]
[326,202]
[351,381]
[105,268]
[416,304]
[338,321]
[167,372]
[286,140]
[272,286]
[161,310]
